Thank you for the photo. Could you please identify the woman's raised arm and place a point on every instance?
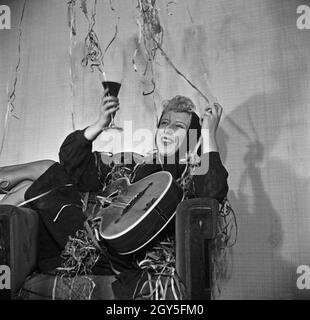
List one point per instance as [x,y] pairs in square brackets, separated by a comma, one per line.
[81,164]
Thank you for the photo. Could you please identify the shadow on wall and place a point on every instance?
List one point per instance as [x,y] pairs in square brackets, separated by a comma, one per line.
[261,271]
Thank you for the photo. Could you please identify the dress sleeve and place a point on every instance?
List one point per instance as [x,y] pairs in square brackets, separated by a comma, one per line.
[83,166]
[214,183]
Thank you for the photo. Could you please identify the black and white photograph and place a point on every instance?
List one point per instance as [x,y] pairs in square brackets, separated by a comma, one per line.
[155,150]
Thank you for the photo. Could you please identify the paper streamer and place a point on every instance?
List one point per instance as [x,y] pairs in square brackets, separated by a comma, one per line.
[12,93]
[72,25]
[92,51]
[148,23]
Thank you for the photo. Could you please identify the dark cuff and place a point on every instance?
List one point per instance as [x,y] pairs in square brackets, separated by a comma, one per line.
[213,158]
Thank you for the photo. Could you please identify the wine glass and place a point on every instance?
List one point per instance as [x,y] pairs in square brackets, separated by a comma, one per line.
[114,87]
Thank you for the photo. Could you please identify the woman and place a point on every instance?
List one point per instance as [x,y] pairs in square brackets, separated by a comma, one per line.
[81,170]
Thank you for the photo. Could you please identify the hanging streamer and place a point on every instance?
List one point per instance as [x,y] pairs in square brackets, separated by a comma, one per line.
[11,94]
[149,27]
[72,26]
[112,40]
[93,54]
[71,16]
[151,34]
[92,51]
[180,73]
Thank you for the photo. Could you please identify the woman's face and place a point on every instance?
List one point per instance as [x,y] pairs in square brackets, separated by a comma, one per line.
[172,131]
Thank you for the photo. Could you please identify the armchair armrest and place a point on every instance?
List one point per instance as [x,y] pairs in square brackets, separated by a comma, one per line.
[18,242]
[196,226]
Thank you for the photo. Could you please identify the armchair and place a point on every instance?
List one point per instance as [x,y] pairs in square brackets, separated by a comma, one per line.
[196,222]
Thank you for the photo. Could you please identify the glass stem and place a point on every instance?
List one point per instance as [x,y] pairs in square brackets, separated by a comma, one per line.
[112,124]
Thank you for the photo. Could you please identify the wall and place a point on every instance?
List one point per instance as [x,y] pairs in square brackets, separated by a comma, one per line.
[255,60]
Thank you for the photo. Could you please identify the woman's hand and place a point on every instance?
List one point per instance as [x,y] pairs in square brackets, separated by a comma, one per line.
[108,106]
[211,117]
[210,121]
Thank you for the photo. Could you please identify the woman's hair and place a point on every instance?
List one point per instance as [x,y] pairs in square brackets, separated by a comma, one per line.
[179,104]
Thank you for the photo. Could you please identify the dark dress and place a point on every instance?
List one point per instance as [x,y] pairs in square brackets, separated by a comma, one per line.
[79,166]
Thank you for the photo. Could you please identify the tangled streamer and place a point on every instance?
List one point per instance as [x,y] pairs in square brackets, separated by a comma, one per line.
[79,257]
[162,278]
[151,33]
[221,245]
[228,227]
[12,93]
[92,51]
[192,161]
[148,23]
[93,54]
[149,29]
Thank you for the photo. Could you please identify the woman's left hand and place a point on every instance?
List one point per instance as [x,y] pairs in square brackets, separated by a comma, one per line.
[211,117]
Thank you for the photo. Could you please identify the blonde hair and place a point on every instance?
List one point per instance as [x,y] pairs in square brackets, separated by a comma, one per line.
[179,104]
